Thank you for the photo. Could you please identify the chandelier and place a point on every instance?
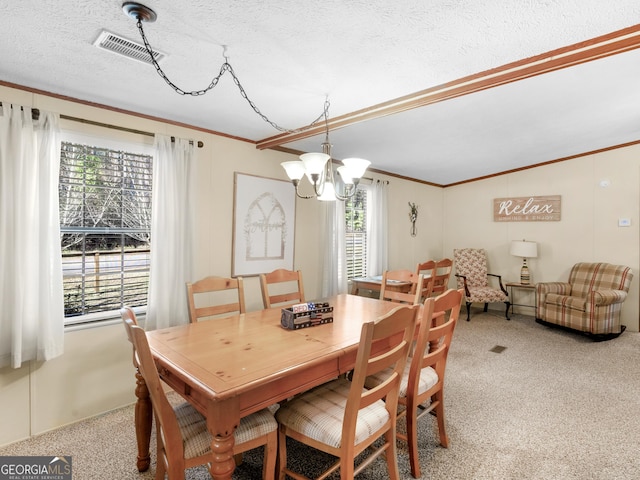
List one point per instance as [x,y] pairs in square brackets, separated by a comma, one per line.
[318,167]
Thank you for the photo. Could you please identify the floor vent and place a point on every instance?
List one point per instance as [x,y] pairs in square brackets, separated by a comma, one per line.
[122,46]
[498,349]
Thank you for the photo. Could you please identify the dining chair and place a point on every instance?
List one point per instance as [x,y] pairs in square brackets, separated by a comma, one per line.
[422,384]
[281,288]
[427,270]
[222,295]
[441,275]
[410,296]
[342,418]
[182,438]
[143,412]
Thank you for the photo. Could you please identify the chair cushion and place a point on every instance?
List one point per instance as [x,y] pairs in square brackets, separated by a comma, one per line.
[428,378]
[575,303]
[486,295]
[319,413]
[196,439]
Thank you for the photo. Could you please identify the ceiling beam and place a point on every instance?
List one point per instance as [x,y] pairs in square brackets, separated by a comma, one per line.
[611,44]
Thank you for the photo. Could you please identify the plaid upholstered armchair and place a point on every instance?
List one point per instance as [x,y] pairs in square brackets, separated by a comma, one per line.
[590,301]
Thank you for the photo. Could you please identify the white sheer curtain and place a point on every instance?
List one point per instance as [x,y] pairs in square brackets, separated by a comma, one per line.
[334,271]
[377,229]
[172,214]
[31,298]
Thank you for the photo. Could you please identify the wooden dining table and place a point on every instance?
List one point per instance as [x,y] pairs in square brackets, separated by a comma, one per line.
[375,284]
[230,367]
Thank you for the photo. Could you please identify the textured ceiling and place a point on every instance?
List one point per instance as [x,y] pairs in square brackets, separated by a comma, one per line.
[289,55]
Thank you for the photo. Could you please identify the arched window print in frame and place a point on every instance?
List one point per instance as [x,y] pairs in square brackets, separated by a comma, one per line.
[265,229]
[263,224]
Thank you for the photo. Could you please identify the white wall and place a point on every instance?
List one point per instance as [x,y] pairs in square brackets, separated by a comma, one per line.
[587,232]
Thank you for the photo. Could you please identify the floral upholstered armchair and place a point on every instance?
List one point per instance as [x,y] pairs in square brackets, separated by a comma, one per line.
[590,301]
[472,275]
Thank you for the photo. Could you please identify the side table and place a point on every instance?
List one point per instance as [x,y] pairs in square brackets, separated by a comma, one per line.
[516,285]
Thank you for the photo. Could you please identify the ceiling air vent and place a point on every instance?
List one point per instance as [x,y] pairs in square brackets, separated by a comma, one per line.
[122,46]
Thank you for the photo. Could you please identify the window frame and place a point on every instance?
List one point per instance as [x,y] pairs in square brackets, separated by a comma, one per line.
[119,141]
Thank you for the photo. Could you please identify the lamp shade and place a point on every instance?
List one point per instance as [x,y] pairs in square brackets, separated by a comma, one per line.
[314,162]
[295,169]
[356,166]
[345,175]
[521,248]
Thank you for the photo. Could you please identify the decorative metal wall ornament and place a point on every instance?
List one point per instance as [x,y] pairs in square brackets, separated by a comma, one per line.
[413,216]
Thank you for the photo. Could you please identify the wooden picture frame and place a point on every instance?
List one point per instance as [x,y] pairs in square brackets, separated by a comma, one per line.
[264,212]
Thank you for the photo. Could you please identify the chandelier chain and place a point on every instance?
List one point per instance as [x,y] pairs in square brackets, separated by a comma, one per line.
[226,67]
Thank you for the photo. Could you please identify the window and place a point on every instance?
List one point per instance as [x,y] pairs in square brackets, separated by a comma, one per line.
[105,223]
[356,234]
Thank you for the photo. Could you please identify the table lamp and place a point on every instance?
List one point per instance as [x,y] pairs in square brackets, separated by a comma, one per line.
[525,250]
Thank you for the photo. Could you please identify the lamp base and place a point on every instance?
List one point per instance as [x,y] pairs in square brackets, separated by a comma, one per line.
[525,276]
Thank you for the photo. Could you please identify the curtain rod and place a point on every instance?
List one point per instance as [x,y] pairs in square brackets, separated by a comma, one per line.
[35,114]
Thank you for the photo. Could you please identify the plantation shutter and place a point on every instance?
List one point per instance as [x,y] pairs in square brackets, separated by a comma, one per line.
[356,235]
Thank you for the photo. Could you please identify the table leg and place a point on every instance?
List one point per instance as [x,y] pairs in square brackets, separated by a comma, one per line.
[222,420]
[143,412]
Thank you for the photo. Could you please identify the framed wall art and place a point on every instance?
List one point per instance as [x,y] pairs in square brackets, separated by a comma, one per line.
[264,211]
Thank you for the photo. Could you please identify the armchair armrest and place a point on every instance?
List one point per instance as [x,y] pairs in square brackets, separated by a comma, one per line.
[464,280]
[499,277]
[599,298]
[560,288]
[542,289]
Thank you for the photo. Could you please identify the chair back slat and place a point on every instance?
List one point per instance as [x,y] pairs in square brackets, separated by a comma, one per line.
[427,270]
[282,288]
[217,293]
[412,297]
[441,275]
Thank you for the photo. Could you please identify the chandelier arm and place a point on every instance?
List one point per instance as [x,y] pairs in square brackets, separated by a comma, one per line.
[226,67]
[321,182]
[305,197]
[296,184]
[349,192]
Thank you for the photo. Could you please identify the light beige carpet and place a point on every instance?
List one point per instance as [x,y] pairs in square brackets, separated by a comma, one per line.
[551,405]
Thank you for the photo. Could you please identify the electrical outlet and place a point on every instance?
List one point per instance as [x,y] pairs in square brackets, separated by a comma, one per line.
[624,222]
